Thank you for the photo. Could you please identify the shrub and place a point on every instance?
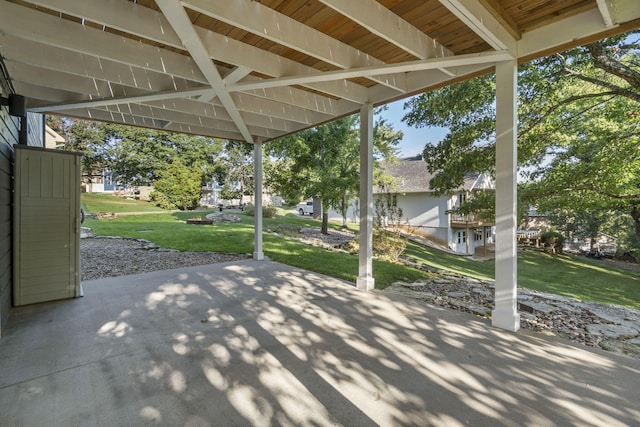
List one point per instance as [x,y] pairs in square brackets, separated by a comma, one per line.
[388,241]
[552,241]
[267,211]
[177,188]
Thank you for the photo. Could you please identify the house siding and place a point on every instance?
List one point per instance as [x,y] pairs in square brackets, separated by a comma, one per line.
[9,136]
[9,127]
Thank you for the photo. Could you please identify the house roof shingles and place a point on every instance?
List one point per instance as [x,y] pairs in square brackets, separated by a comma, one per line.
[412,176]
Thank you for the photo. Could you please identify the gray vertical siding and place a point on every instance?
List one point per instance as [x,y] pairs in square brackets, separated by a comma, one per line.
[9,129]
[35,130]
[8,137]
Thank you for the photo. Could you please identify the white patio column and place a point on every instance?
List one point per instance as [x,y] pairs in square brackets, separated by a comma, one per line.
[506,314]
[365,268]
[257,199]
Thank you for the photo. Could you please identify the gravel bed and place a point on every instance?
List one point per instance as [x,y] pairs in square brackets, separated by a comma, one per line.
[109,257]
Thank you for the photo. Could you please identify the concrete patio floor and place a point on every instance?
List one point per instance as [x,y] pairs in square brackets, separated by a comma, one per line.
[261,343]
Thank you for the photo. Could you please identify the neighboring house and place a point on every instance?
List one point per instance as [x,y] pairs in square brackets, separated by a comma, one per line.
[431,216]
[211,194]
[52,140]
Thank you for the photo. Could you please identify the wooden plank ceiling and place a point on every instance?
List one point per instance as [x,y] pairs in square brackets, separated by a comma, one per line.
[247,69]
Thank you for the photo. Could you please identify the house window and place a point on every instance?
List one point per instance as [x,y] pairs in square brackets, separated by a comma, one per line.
[488,233]
[462,236]
[477,236]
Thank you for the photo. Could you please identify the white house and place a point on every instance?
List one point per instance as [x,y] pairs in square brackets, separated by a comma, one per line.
[431,216]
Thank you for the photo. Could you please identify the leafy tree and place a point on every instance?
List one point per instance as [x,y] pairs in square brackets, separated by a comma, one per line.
[87,138]
[323,162]
[137,155]
[578,129]
[235,170]
[178,187]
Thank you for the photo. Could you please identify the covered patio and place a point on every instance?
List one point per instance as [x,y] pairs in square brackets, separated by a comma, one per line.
[257,70]
[260,343]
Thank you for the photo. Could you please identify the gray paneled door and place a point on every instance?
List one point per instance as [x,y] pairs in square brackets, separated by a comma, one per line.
[46,239]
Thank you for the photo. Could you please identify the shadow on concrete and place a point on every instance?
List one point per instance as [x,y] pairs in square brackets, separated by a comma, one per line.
[260,343]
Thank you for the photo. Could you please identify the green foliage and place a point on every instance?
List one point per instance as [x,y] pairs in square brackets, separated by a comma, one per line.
[267,211]
[552,241]
[578,130]
[135,156]
[389,242]
[178,187]
[323,162]
[577,277]
[87,138]
[235,170]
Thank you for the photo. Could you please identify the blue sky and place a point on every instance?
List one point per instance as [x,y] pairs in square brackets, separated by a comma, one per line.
[414,138]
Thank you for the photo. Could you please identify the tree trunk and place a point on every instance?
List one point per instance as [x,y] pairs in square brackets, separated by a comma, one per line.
[325,222]
[343,209]
[635,215]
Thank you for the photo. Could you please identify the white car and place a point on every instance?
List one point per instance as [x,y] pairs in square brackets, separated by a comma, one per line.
[305,207]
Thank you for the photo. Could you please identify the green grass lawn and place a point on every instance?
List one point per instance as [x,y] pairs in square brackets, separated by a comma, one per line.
[582,278]
[169,230]
[93,203]
[578,277]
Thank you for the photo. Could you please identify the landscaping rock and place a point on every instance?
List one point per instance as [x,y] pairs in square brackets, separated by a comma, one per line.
[617,332]
[223,217]
[610,327]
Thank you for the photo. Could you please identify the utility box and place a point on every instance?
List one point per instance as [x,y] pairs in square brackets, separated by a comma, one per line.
[46,232]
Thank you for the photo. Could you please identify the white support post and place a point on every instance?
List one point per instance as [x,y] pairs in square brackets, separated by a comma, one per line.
[365,269]
[505,315]
[257,191]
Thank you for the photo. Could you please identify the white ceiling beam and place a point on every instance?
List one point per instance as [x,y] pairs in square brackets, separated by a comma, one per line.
[403,67]
[126,16]
[23,22]
[63,81]
[283,100]
[391,27]
[110,101]
[482,22]
[605,12]
[232,51]
[237,74]
[169,116]
[39,95]
[623,11]
[82,65]
[200,130]
[272,25]
[131,18]
[181,24]
[120,117]
[168,111]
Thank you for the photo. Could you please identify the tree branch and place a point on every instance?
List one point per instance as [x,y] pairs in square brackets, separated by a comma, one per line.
[565,102]
[593,188]
[611,65]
